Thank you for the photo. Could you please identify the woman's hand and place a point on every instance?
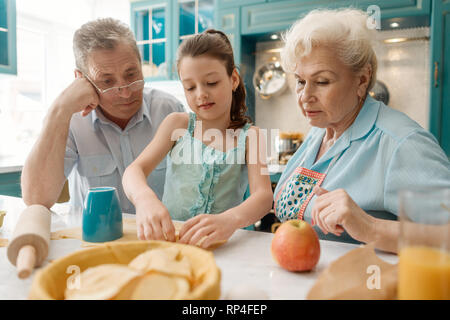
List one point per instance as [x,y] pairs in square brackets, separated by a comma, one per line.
[214,227]
[335,211]
[153,221]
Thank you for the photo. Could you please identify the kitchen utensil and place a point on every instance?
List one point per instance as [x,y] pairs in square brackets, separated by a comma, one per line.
[288,142]
[269,80]
[380,92]
[102,215]
[29,244]
[287,145]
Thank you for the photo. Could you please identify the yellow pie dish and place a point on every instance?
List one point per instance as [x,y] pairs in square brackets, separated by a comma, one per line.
[51,281]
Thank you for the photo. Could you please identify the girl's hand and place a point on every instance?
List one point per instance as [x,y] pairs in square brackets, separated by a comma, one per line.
[335,211]
[215,227]
[153,221]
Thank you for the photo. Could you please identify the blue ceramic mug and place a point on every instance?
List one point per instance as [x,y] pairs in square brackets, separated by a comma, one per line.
[102,215]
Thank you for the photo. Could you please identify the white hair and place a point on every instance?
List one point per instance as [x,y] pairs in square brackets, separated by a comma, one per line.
[343,30]
[103,33]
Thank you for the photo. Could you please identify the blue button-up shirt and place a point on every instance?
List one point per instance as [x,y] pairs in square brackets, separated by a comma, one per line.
[382,152]
[98,151]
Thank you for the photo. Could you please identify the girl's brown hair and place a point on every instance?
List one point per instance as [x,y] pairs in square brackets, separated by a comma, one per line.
[215,44]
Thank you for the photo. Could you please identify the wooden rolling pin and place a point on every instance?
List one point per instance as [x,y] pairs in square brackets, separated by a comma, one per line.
[28,247]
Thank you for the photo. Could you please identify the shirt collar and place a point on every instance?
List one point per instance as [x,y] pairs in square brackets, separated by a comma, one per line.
[363,123]
[365,119]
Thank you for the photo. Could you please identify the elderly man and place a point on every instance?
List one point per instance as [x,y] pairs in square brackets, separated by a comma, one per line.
[100,123]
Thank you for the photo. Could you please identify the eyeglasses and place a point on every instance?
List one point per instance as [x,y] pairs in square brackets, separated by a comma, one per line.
[113,91]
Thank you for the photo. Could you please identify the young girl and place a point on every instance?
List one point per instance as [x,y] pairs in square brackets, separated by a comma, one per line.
[210,162]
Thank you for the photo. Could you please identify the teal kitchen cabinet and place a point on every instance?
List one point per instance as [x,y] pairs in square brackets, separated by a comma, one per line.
[279,15]
[440,82]
[10,184]
[236,3]
[161,25]
[228,21]
[194,16]
[8,55]
[151,23]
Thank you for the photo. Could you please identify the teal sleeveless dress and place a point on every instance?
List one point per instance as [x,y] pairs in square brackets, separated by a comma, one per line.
[201,179]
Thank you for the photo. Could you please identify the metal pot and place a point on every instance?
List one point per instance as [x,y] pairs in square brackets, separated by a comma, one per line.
[287,145]
[269,80]
[380,92]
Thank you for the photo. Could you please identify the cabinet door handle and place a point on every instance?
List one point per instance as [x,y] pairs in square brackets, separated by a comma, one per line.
[436,74]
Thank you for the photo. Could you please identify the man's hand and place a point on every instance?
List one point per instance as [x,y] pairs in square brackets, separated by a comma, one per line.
[80,95]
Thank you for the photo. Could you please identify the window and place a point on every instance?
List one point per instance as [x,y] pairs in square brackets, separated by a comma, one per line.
[151,39]
[3,33]
[44,68]
[195,16]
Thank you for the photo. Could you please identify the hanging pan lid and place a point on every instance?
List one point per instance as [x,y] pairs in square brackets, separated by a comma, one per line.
[269,80]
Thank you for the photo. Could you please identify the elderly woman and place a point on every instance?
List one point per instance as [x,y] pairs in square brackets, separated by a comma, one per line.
[345,177]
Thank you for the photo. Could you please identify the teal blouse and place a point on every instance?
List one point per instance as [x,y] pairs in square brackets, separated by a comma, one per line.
[201,179]
[381,153]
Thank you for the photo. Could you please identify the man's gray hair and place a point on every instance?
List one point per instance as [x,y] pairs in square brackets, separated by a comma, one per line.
[103,33]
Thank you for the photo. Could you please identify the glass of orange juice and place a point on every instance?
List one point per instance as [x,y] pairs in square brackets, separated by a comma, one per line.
[424,245]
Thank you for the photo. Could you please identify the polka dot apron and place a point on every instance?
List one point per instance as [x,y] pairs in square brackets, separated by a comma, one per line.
[294,196]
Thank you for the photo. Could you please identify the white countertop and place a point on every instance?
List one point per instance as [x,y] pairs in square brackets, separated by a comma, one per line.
[244,259]
[11,164]
[9,169]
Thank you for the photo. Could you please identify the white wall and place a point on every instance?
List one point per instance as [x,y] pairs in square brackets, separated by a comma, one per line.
[279,112]
[70,13]
[405,69]
[118,9]
[45,65]
[57,20]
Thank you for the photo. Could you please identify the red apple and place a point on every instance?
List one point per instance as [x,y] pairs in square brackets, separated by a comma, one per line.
[295,246]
